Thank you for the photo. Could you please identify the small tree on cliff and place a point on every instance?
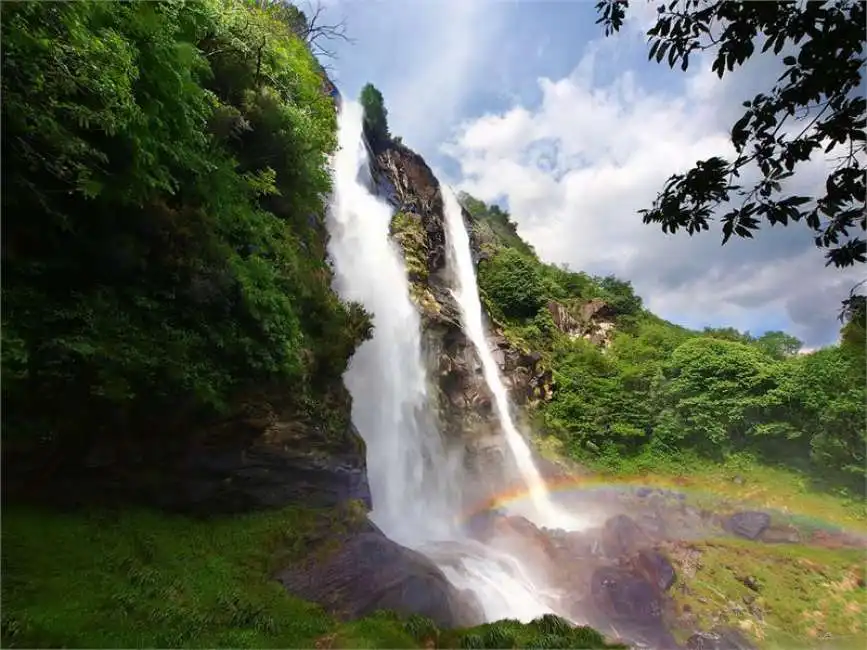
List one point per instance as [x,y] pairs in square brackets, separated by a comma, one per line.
[821,46]
[375,115]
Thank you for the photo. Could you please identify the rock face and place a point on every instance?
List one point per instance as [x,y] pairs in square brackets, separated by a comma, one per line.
[268,454]
[270,457]
[367,571]
[403,179]
[593,322]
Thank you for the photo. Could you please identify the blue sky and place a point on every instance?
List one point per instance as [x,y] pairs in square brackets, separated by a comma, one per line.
[526,103]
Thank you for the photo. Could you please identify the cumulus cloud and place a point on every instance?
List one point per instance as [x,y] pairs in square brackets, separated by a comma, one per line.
[575,167]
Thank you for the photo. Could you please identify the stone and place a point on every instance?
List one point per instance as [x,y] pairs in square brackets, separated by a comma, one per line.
[367,572]
[750,582]
[749,523]
[656,568]
[621,536]
[719,639]
[624,596]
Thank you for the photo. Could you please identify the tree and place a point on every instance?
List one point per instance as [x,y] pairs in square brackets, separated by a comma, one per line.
[313,31]
[779,344]
[375,115]
[512,281]
[815,106]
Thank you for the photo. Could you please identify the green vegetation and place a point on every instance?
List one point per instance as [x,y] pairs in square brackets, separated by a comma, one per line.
[648,391]
[164,236]
[134,578]
[814,108]
[408,232]
[375,116]
[803,594]
[548,631]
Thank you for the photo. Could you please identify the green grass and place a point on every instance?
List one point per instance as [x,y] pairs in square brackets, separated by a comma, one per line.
[139,578]
[805,594]
[547,631]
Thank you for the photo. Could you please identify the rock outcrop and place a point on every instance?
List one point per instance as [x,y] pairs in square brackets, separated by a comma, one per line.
[365,571]
[594,321]
[404,179]
[269,453]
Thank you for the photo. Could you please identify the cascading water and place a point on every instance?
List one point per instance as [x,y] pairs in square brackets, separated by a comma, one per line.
[414,499]
[415,483]
[467,296]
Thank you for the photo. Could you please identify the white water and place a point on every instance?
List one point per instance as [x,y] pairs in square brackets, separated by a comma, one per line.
[414,498]
[467,296]
[415,483]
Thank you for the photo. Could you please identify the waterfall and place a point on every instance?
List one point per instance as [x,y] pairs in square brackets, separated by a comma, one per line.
[467,295]
[414,497]
[415,483]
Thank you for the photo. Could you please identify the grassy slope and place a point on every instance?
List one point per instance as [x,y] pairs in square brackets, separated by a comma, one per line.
[805,594]
[139,578]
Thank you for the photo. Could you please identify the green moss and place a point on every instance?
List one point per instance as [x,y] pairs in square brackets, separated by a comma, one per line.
[408,231]
[805,594]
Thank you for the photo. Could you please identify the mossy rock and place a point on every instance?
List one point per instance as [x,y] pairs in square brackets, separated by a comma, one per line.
[408,232]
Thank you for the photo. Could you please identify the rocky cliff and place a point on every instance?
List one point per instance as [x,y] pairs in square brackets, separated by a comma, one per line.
[404,179]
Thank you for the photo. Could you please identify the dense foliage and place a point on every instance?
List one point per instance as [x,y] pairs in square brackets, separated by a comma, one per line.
[815,107]
[165,168]
[649,387]
[375,116]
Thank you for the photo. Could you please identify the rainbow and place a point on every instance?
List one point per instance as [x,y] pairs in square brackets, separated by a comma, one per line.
[588,484]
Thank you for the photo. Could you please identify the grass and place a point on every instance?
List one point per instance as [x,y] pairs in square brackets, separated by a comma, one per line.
[547,631]
[139,578]
[805,594]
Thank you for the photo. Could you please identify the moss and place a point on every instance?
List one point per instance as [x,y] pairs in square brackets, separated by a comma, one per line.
[421,295]
[407,230]
[804,594]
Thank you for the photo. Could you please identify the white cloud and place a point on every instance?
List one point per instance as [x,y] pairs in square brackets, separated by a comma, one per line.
[577,166]
[426,57]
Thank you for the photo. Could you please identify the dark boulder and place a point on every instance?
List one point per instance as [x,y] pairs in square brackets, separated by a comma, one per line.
[622,595]
[749,523]
[656,568]
[368,571]
[621,536]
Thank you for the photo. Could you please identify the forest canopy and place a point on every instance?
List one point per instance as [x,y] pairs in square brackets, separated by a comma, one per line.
[163,213]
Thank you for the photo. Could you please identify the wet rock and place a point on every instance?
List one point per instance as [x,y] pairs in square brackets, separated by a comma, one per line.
[624,596]
[749,524]
[621,536]
[656,568]
[719,639]
[367,571]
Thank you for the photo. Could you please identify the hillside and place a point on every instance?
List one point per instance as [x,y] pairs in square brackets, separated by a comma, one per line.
[633,390]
